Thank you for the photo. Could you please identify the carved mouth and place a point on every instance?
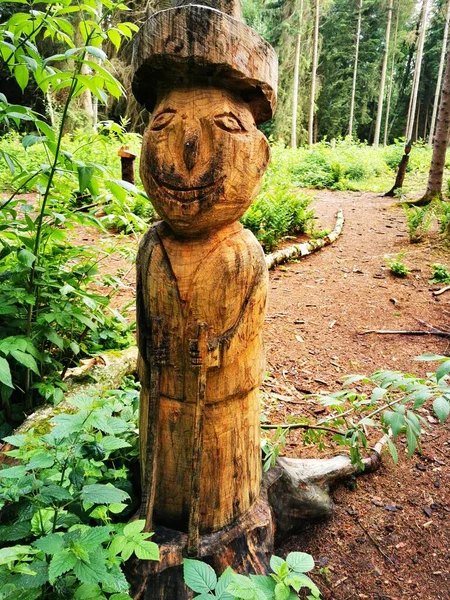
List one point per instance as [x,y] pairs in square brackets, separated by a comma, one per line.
[188,194]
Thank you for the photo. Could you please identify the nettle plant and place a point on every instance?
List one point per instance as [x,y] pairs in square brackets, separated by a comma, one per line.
[62,500]
[48,309]
[287,579]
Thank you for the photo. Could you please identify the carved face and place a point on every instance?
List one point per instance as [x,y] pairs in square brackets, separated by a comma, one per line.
[202,159]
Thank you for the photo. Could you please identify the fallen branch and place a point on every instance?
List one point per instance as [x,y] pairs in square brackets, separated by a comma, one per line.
[442,291]
[299,250]
[433,331]
[302,426]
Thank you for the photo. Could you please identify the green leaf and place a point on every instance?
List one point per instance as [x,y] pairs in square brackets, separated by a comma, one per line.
[392,449]
[276,563]
[15,440]
[111,443]
[134,527]
[41,460]
[89,591]
[103,494]
[411,439]
[22,75]
[281,592]
[431,357]
[5,373]
[146,550]
[441,407]
[377,394]
[93,571]
[13,553]
[244,588]
[223,583]
[50,493]
[13,472]
[115,37]
[264,583]
[95,536]
[443,370]
[17,531]
[30,140]
[305,581]
[26,360]
[300,562]
[395,420]
[97,52]
[199,576]
[61,563]
[84,177]
[26,257]
[50,544]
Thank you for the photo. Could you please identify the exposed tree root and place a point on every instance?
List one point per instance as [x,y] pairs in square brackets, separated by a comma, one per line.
[298,250]
[300,489]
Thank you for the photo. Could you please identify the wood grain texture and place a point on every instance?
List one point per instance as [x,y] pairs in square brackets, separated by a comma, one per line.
[246,546]
[179,45]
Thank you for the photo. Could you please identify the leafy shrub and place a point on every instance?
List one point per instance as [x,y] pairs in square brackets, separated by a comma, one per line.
[63,501]
[397,266]
[315,171]
[440,274]
[276,213]
[287,579]
[419,220]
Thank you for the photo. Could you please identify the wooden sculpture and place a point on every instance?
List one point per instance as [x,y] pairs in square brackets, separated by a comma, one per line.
[208,81]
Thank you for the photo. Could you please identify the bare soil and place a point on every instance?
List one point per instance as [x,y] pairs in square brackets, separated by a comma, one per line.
[389,537]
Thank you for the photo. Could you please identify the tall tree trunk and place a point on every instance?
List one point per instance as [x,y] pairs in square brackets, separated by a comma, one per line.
[440,142]
[439,79]
[417,71]
[296,77]
[355,69]
[406,75]
[315,61]
[391,79]
[376,140]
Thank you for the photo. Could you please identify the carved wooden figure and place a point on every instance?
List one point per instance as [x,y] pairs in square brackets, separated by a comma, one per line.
[207,80]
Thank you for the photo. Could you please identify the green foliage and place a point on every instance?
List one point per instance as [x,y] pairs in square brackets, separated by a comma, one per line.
[288,578]
[63,499]
[440,274]
[391,407]
[272,448]
[50,313]
[278,211]
[397,266]
[419,220]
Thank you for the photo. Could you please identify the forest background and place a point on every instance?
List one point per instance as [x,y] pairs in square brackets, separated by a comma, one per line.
[344,54]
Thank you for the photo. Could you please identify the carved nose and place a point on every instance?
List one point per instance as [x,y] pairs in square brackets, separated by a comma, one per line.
[191,150]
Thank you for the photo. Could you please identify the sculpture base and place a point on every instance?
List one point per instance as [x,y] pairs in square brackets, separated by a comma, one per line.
[246,546]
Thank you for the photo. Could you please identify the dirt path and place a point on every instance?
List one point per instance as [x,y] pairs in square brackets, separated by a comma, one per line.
[389,539]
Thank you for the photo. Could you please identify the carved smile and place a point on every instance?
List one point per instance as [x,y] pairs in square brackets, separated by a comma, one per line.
[191,194]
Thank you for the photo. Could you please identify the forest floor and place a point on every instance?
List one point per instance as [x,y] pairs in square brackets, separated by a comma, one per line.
[389,538]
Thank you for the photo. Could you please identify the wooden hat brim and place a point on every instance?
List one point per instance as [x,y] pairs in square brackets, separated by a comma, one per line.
[196,43]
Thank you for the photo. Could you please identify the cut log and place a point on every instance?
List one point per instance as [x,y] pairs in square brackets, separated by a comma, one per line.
[299,250]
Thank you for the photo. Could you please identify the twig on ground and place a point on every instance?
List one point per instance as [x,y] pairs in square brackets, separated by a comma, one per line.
[302,426]
[434,331]
[374,542]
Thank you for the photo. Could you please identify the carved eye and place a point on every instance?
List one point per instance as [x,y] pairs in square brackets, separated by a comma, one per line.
[229,122]
[162,120]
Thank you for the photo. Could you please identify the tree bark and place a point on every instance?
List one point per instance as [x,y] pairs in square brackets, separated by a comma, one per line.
[376,140]
[440,73]
[391,79]
[401,172]
[440,143]
[296,82]
[355,69]
[417,72]
[315,61]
